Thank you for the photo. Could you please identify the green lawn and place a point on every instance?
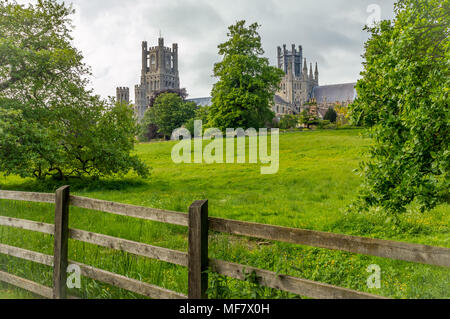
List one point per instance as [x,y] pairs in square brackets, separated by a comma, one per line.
[315,184]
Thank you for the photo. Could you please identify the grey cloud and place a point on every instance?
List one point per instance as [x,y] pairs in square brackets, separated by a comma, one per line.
[109,33]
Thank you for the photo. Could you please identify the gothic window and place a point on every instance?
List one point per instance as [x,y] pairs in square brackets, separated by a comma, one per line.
[153,60]
[168,61]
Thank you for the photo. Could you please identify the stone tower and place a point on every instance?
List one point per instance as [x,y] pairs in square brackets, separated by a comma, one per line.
[286,57]
[298,83]
[159,72]
[123,94]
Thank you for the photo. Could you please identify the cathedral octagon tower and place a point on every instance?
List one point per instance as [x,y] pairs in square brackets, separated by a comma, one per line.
[159,72]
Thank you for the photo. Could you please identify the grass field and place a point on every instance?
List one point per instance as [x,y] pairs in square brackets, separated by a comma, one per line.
[315,184]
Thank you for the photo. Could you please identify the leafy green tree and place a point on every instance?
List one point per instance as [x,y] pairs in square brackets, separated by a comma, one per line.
[403,99]
[168,113]
[330,115]
[244,93]
[308,119]
[288,121]
[50,124]
[201,114]
[149,131]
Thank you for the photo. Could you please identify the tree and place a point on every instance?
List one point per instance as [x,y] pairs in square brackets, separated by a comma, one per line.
[244,93]
[342,114]
[180,92]
[403,99]
[288,121]
[330,115]
[50,124]
[201,114]
[150,131]
[168,113]
[308,119]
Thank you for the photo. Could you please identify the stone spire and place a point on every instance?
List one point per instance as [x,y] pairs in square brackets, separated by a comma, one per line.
[316,74]
[311,72]
[305,70]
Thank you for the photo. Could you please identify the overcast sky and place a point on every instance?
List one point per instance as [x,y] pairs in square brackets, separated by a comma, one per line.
[109,33]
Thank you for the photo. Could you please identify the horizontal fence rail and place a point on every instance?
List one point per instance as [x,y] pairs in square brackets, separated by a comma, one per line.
[302,287]
[153,214]
[196,259]
[25,284]
[28,197]
[438,256]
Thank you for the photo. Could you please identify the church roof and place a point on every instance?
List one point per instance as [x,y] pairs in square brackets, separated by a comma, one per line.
[335,93]
[279,100]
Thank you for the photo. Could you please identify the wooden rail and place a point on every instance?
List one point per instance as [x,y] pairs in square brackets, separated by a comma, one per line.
[196,259]
[158,215]
[438,256]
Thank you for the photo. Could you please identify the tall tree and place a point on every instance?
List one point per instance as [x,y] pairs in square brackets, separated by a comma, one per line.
[403,99]
[50,124]
[244,93]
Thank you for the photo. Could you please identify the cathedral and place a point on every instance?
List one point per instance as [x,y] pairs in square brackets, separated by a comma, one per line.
[297,84]
[159,71]
[299,88]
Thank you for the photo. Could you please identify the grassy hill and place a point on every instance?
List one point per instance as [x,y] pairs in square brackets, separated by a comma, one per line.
[315,184]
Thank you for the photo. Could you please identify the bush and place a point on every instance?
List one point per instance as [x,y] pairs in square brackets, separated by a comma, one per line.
[330,115]
[288,121]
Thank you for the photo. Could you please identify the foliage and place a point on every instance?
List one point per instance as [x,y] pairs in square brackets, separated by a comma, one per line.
[50,125]
[323,123]
[288,121]
[180,92]
[244,93]
[201,114]
[149,131]
[168,113]
[308,119]
[403,98]
[330,115]
[342,114]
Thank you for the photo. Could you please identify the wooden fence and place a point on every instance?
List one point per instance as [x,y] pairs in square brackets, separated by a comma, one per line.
[196,259]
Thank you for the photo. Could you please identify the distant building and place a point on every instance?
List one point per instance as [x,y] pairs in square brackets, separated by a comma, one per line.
[297,84]
[159,72]
[123,94]
[202,101]
[299,87]
[327,96]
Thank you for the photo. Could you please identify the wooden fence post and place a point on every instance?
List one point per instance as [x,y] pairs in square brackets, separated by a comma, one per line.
[61,242]
[198,250]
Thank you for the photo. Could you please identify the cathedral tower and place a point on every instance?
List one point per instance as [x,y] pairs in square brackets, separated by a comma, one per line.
[159,72]
[297,84]
[123,94]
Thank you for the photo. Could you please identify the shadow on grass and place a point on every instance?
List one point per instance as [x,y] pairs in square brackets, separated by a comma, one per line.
[84,184]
